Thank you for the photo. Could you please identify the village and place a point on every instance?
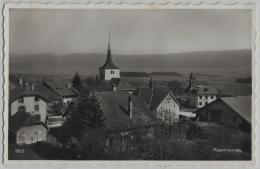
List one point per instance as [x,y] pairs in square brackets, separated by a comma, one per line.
[108,118]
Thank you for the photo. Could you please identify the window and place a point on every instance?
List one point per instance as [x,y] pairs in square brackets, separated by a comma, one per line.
[36,107]
[20,100]
[200,97]
[21,108]
[212,97]
[206,97]
[200,103]
[36,98]
[112,72]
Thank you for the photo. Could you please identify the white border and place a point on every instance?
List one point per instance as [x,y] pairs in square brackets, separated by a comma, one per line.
[132,4]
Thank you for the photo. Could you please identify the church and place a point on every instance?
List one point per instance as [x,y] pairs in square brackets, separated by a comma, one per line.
[109,70]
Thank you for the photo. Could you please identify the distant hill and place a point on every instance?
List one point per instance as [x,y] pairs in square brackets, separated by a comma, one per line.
[165,74]
[134,74]
[90,62]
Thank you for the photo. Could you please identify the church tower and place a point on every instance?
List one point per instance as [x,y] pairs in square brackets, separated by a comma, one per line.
[109,70]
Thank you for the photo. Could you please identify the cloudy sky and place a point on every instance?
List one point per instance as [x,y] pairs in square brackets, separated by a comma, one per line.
[36,31]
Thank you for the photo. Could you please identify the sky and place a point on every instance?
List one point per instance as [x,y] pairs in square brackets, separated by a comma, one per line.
[133,32]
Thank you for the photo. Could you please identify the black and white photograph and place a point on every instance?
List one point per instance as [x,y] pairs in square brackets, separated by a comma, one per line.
[130,84]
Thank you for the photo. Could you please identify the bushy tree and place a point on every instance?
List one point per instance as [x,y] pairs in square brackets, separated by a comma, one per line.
[76,82]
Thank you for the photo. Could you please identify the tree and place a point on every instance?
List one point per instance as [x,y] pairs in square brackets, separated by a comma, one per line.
[85,115]
[76,82]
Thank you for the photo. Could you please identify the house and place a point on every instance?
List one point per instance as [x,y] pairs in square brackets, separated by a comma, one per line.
[26,128]
[109,70]
[231,111]
[28,100]
[199,95]
[161,100]
[64,91]
[125,114]
[118,84]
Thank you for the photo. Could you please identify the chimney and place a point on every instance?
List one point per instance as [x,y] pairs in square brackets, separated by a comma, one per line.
[32,87]
[96,78]
[114,87]
[69,85]
[151,83]
[21,81]
[27,85]
[130,107]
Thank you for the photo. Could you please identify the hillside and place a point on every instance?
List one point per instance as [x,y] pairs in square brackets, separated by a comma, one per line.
[49,63]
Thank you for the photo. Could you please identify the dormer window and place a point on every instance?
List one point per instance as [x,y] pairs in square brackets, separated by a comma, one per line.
[21,100]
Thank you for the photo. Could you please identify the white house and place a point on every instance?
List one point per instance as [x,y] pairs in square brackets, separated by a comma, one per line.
[200,95]
[28,100]
[161,100]
[109,70]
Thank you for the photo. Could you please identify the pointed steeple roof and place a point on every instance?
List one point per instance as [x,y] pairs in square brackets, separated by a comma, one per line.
[109,62]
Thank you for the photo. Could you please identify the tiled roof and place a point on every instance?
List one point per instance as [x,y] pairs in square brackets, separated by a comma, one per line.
[115,108]
[120,84]
[203,90]
[23,119]
[154,96]
[241,105]
[46,92]
[39,90]
[60,88]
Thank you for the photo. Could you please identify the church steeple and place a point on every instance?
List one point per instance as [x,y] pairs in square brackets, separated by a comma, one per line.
[109,62]
[109,58]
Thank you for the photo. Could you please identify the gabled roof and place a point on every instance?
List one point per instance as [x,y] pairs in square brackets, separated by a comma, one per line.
[115,108]
[241,105]
[46,92]
[23,119]
[61,89]
[39,90]
[203,90]
[16,93]
[154,96]
[120,84]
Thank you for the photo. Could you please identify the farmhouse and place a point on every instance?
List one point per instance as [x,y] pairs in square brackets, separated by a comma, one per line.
[161,100]
[125,114]
[232,111]
[109,70]
[28,100]
[201,95]
[26,129]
